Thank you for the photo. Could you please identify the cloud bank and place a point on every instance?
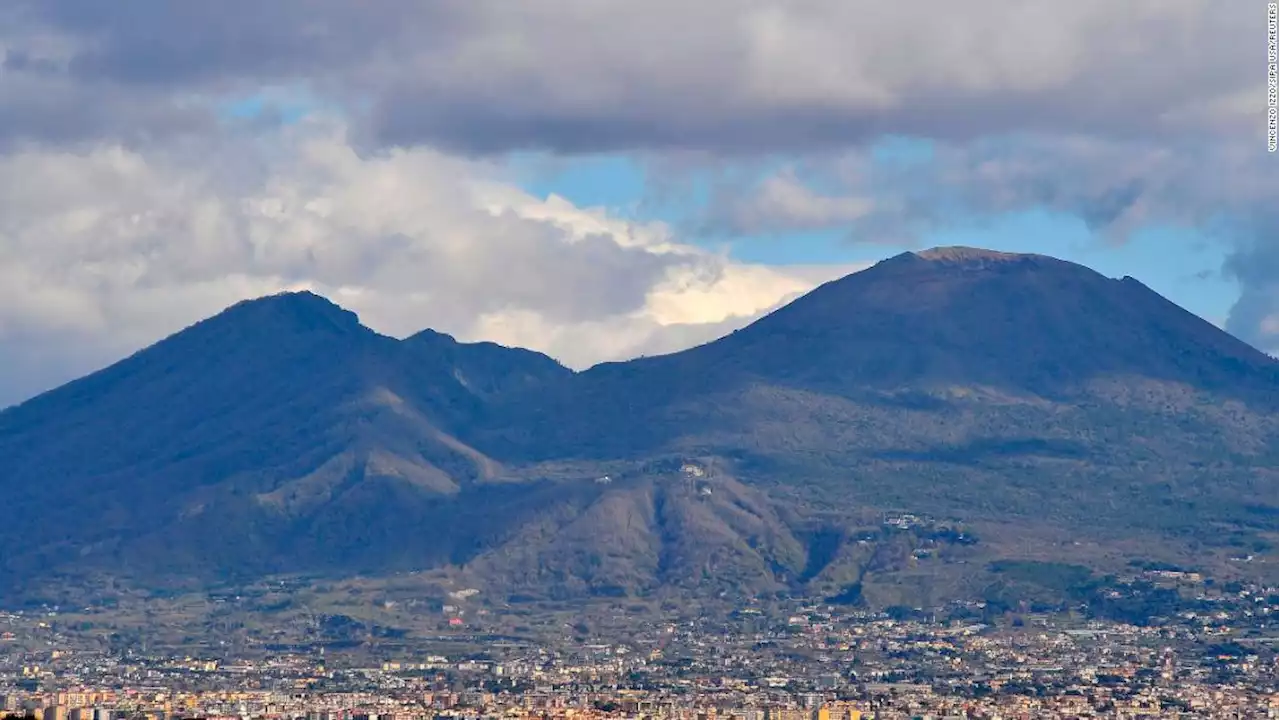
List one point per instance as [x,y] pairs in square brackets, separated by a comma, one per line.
[726,75]
[105,251]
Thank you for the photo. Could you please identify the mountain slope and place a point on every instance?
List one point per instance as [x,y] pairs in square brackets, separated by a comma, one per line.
[955,381]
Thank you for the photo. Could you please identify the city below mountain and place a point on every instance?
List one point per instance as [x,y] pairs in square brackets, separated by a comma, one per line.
[902,436]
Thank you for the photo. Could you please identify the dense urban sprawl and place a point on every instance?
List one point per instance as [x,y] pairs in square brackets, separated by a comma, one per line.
[818,663]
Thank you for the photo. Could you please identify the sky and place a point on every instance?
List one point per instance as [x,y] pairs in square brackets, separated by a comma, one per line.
[599,179]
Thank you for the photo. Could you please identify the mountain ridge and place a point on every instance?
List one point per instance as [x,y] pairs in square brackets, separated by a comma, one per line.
[1020,394]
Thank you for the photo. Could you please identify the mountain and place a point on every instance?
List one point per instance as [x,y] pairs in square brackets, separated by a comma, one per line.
[1018,392]
[251,442]
[915,332]
[1054,413]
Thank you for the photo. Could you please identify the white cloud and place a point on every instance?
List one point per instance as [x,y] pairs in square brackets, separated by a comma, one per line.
[107,250]
[696,302]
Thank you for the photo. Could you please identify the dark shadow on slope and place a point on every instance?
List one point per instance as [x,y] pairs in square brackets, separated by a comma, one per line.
[821,546]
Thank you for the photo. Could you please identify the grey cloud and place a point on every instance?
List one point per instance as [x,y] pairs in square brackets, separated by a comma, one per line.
[158,43]
[42,101]
[80,72]
[1255,264]
[1115,186]
[1111,205]
[723,75]
[771,77]
[54,112]
[780,204]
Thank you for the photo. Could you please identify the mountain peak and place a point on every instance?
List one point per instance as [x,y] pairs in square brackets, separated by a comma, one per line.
[433,336]
[958,260]
[290,311]
[968,317]
[963,254]
[297,299]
